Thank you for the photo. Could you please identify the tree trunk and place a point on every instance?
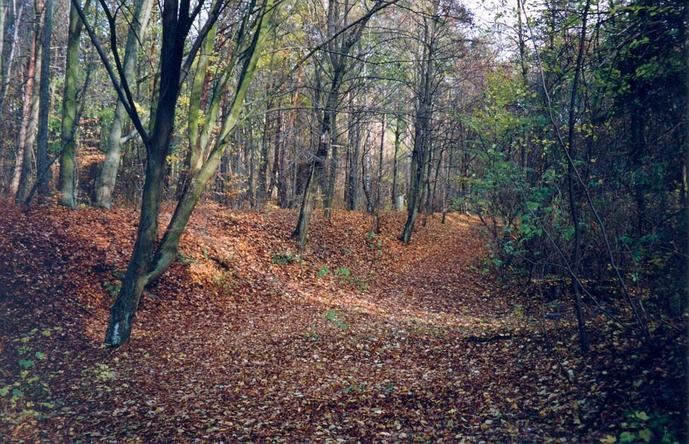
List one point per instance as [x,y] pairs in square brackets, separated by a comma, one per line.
[398,132]
[265,154]
[105,183]
[9,64]
[572,192]
[250,159]
[379,179]
[68,165]
[332,173]
[354,133]
[313,178]
[42,161]
[22,167]
[157,147]
[3,26]
[421,138]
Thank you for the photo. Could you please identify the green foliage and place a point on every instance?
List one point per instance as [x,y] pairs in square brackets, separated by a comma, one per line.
[102,372]
[374,242]
[354,388]
[26,363]
[334,318]
[643,427]
[343,272]
[346,276]
[285,258]
[323,271]
[183,258]
[113,289]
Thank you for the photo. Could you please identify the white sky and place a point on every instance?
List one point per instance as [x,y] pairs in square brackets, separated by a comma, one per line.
[496,19]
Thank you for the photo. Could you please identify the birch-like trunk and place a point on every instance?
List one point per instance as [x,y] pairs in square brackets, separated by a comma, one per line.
[106,180]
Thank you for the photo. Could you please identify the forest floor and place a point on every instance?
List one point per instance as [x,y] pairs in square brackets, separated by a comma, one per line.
[360,339]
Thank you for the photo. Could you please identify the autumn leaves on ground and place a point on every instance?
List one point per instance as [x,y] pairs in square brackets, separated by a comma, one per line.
[359,339]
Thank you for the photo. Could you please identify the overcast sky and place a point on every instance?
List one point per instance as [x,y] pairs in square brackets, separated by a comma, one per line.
[495,19]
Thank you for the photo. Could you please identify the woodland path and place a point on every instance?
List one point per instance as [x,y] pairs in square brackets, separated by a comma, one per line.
[410,347]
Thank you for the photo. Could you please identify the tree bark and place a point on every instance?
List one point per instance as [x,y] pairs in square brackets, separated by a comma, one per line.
[398,132]
[421,132]
[135,279]
[42,160]
[354,136]
[19,186]
[68,165]
[107,178]
[572,192]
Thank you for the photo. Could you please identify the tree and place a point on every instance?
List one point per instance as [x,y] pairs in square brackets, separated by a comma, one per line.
[68,165]
[21,178]
[423,115]
[147,262]
[105,184]
[341,36]
[42,161]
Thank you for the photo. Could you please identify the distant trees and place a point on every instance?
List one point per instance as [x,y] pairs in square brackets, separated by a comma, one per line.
[564,144]
[342,32]
[565,177]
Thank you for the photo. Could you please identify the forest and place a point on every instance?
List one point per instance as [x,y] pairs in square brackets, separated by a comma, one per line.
[344,221]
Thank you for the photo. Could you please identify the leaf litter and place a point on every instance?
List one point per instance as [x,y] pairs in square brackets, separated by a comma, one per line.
[359,338]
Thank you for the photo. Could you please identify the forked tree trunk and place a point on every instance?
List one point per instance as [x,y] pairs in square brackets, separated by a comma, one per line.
[145,267]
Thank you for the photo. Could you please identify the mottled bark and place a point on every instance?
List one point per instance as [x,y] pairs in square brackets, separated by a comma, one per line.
[42,160]
[107,178]
[68,169]
[19,186]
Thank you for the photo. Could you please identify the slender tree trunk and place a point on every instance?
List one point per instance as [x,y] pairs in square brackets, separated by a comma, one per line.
[68,165]
[3,25]
[379,179]
[332,173]
[316,168]
[573,199]
[398,132]
[19,186]
[28,151]
[421,138]
[250,158]
[9,63]
[354,135]
[42,160]
[283,200]
[105,183]
[446,189]
[276,153]
[312,179]
[265,153]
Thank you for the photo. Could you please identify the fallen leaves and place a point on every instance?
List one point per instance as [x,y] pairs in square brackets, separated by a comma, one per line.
[359,339]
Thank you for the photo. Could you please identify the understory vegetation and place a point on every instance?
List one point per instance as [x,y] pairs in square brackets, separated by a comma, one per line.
[344,220]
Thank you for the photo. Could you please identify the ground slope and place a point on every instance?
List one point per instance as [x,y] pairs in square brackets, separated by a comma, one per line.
[361,338]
